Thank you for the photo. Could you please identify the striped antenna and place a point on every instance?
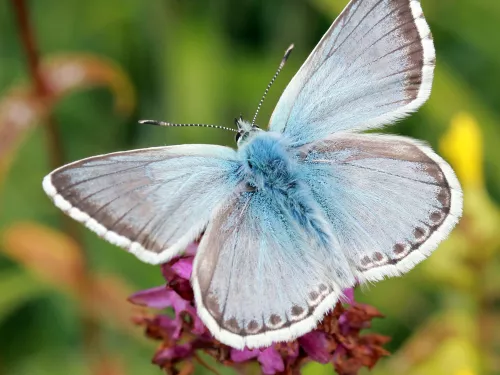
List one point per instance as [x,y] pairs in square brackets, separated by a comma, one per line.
[282,64]
[163,123]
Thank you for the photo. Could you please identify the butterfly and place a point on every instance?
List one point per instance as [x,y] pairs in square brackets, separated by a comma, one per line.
[299,212]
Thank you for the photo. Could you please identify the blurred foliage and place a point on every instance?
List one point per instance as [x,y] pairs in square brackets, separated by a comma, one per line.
[209,61]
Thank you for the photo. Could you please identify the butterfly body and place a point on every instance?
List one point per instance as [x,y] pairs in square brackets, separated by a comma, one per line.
[299,212]
[271,167]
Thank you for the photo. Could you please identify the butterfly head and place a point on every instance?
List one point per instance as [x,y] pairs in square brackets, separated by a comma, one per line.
[245,130]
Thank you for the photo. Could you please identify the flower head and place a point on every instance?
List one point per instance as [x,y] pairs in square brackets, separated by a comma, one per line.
[335,340]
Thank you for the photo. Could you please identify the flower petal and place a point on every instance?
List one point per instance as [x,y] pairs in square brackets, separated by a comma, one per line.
[316,346]
[244,355]
[191,249]
[167,272]
[172,326]
[271,361]
[173,353]
[157,298]
[198,326]
[349,295]
[183,267]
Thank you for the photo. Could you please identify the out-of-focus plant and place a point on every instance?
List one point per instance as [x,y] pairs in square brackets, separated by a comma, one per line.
[22,108]
[59,258]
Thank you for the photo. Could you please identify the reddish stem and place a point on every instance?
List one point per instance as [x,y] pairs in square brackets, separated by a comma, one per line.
[55,146]
[27,37]
[32,55]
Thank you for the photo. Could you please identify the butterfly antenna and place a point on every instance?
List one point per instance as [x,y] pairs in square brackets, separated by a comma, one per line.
[163,123]
[282,64]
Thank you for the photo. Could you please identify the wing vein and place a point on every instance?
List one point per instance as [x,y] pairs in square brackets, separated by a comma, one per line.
[393,175]
[354,29]
[131,209]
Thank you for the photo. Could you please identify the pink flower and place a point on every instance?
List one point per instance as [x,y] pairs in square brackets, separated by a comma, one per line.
[335,340]
[316,346]
[269,358]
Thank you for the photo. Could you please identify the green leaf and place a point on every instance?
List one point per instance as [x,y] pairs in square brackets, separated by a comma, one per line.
[315,368]
[17,288]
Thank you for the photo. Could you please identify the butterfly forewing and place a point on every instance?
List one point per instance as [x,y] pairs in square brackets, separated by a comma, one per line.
[374,66]
[152,202]
[390,200]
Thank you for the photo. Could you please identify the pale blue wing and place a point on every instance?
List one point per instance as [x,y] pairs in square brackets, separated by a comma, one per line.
[390,200]
[152,202]
[259,277]
[374,66]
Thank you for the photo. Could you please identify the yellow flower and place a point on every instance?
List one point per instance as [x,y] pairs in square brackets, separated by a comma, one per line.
[462,145]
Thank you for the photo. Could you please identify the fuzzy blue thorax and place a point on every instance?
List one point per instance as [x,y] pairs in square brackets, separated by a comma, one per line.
[267,164]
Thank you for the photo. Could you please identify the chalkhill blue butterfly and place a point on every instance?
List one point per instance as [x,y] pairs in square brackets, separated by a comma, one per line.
[299,212]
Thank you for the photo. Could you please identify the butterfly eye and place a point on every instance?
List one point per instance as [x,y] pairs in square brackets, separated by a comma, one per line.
[237,137]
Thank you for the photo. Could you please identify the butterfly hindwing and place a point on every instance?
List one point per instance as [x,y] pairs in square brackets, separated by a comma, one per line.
[259,277]
[373,66]
[390,200]
[152,202]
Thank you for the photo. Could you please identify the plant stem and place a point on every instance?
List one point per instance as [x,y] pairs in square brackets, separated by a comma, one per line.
[32,55]
[90,326]
[202,362]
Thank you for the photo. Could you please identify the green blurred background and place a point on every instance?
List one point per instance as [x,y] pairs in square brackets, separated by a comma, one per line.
[112,62]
